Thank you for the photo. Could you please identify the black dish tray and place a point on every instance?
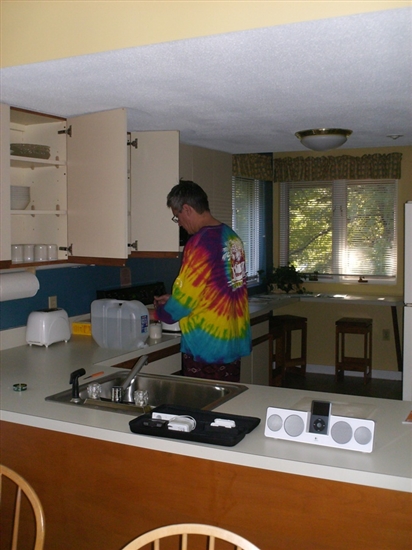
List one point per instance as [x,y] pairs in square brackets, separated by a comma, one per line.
[204,432]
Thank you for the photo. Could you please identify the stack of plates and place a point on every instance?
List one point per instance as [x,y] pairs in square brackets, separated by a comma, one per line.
[20,197]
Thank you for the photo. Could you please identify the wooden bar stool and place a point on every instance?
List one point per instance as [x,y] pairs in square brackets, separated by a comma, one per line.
[353,325]
[281,327]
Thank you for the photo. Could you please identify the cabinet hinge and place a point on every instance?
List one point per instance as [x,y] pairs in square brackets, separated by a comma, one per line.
[133,143]
[67,131]
[68,249]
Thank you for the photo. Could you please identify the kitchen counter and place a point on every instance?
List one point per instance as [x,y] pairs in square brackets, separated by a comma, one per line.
[88,468]
[46,371]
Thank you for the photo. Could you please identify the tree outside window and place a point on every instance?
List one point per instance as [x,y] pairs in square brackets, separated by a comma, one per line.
[340,228]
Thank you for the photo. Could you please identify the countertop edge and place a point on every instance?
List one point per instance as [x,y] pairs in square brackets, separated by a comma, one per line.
[216,454]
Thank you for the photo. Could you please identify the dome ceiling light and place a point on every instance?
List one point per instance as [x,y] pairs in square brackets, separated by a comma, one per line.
[323,139]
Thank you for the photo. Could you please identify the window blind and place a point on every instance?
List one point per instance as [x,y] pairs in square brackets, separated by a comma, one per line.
[342,227]
[248,220]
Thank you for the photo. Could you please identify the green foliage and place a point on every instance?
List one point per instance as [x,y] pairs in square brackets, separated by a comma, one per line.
[347,227]
[310,236]
[286,278]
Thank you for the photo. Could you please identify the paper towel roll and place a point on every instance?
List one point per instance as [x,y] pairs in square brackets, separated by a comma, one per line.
[14,286]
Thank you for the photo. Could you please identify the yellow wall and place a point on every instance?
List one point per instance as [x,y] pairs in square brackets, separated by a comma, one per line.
[34,31]
[322,317]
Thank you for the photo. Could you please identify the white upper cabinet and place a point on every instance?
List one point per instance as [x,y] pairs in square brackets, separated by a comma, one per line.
[212,170]
[154,170]
[77,193]
[33,181]
[97,194]
[80,195]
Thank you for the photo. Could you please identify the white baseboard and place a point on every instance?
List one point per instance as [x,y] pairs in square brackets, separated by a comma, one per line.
[379,374]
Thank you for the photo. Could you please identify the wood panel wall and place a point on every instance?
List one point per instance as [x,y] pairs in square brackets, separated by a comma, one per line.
[98,494]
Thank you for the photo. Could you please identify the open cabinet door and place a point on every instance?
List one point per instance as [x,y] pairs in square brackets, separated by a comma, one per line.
[5,233]
[154,171]
[97,187]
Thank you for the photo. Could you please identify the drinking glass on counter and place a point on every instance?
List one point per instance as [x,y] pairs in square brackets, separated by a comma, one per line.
[141,398]
[94,390]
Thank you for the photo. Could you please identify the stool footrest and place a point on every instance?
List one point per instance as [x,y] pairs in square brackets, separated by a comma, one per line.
[353,363]
[355,326]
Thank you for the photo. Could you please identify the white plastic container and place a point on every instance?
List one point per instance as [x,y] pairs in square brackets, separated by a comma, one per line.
[120,324]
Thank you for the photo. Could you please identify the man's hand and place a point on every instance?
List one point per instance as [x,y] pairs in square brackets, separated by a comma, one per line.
[161,300]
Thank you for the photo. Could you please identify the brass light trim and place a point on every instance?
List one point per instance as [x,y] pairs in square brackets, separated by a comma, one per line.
[323,139]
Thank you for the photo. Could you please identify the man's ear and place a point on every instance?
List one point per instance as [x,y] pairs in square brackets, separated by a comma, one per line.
[187,209]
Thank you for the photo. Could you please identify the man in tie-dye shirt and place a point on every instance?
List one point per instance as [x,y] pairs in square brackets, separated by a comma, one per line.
[209,296]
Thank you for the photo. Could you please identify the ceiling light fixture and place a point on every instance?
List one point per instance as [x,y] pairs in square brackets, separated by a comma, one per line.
[323,139]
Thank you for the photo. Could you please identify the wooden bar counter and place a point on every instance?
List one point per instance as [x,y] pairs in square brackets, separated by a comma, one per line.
[101,485]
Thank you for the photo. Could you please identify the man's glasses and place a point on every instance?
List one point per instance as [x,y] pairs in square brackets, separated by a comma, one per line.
[175,219]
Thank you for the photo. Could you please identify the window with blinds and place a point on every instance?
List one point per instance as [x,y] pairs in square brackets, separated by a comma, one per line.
[341,228]
[248,220]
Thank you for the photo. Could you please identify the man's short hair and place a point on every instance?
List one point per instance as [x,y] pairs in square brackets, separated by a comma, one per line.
[188,192]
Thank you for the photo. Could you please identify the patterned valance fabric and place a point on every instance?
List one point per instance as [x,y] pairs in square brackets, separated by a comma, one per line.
[345,167]
[254,166]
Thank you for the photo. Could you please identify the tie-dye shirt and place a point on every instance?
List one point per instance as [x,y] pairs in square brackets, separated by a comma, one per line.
[209,297]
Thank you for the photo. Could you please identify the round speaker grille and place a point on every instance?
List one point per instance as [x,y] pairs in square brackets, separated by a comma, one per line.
[294,425]
[274,422]
[363,435]
[341,432]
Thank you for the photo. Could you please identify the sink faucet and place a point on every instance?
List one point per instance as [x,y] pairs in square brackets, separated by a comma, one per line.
[127,384]
[74,379]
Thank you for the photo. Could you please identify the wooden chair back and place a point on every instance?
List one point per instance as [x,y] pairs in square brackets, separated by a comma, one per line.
[182,531]
[21,488]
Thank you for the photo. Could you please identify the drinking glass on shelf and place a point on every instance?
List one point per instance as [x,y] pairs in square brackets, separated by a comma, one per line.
[28,251]
[40,253]
[17,254]
[52,252]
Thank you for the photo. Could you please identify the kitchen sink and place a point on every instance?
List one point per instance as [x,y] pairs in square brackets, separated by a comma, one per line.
[162,390]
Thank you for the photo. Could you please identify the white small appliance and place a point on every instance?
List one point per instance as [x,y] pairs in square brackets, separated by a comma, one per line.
[47,326]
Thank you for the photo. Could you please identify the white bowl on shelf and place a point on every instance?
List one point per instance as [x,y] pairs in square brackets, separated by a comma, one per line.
[19,197]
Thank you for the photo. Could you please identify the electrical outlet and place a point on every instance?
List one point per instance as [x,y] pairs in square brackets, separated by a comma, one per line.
[385,334]
[52,302]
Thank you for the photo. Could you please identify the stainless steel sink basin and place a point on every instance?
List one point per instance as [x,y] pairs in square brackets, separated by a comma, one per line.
[162,390]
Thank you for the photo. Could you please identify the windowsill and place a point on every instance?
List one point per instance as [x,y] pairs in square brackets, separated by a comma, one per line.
[353,281]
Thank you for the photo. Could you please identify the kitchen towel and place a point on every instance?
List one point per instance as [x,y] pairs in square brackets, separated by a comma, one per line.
[17,285]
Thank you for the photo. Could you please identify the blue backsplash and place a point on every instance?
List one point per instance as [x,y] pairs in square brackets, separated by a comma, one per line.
[75,287]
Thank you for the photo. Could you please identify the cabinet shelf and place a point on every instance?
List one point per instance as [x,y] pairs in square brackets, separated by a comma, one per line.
[36,212]
[14,265]
[29,162]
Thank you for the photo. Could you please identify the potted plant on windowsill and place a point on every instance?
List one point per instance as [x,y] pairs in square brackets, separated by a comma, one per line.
[287,279]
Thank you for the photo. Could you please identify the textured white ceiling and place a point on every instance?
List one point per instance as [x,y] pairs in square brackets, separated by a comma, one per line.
[244,92]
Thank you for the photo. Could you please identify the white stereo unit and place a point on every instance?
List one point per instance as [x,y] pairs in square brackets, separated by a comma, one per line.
[355,434]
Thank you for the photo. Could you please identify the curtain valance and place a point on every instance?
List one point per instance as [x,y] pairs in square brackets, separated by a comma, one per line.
[255,166]
[344,167]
